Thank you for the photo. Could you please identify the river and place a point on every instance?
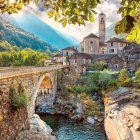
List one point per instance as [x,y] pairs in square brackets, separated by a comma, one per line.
[67,130]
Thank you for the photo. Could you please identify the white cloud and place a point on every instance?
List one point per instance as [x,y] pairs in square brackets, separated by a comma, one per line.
[109,7]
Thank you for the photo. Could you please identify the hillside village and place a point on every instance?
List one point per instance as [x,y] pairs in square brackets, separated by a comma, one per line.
[116,53]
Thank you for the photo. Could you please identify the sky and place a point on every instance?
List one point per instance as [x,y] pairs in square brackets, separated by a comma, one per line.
[109,7]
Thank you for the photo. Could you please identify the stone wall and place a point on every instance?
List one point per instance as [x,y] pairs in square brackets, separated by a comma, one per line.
[14,121]
[122,115]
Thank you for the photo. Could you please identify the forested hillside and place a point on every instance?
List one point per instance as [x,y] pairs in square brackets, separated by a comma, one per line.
[22,39]
[13,56]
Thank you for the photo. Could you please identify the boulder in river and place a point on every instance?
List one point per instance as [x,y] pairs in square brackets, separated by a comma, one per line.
[90,120]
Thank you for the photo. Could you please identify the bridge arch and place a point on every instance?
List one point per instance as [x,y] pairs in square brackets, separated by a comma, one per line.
[46,83]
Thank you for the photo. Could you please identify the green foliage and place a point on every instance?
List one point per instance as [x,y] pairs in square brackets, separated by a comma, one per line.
[19,98]
[18,37]
[25,57]
[5,46]
[130,11]
[79,89]
[137,74]
[101,81]
[97,66]
[63,11]
[124,79]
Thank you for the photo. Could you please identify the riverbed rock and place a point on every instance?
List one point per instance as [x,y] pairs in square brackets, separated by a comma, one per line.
[122,115]
[39,130]
[77,118]
[90,120]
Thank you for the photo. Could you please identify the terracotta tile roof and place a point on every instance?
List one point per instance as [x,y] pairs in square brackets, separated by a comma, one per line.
[102,44]
[91,36]
[70,48]
[116,40]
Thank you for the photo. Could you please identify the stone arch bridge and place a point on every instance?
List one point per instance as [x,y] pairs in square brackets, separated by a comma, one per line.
[13,121]
[34,79]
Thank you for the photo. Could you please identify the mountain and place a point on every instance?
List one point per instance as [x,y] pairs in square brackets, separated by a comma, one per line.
[31,23]
[22,39]
[110,33]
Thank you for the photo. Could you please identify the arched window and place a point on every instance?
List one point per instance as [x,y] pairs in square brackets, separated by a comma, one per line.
[102,20]
[91,42]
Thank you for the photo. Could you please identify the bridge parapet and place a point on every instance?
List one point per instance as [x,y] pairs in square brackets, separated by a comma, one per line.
[7,72]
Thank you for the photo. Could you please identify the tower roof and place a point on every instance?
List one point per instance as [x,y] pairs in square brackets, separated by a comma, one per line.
[102,13]
[91,36]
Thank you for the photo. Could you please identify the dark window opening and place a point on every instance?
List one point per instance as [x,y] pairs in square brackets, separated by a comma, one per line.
[111,50]
[102,20]
[91,42]
[67,53]
[111,43]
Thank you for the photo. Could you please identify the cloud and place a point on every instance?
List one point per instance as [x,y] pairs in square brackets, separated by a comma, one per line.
[109,7]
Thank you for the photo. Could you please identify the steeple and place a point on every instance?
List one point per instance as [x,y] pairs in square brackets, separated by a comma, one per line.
[102,27]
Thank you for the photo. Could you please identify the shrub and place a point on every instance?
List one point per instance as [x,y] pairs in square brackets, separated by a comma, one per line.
[79,89]
[101,81]
[97,66]
[124,79]
[18,96]
[137,74]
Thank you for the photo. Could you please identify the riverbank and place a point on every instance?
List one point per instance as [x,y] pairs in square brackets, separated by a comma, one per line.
[122,114]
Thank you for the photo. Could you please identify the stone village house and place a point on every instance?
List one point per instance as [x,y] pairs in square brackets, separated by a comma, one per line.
[114,52]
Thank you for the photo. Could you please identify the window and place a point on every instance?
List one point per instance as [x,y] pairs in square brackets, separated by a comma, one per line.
[111,43]
[102,20]
[67,53]
[91,42]
[111,50]
[103,50]
[116,66]
[75,61]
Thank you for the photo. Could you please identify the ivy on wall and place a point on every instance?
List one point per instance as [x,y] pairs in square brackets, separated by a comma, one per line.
[18,95]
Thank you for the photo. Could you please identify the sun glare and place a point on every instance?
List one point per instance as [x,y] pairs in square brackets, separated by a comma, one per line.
[12,1]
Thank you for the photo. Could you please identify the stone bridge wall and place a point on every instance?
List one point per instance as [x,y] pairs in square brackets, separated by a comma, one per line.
[14,121]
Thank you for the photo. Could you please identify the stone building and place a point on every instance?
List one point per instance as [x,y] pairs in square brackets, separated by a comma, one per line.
[80,61]
[67,53]
[92,44]
[131,56]
[113,61]
[58,58]
[115,46]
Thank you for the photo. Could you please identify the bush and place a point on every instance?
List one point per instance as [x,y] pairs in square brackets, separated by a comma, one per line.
[124,79]
[101,81]
[18,96]
[79,89]
[137,75]
[97,66]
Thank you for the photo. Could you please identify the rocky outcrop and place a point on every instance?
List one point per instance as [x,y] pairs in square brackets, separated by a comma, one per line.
[122,115]
[39,130]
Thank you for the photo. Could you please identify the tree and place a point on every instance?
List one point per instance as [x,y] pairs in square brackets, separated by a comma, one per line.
[64,11]
[97,66]
[130,22]
[137,74]
[80,11]
[124,79]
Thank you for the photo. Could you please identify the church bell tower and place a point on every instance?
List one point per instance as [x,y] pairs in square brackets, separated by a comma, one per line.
[102,27]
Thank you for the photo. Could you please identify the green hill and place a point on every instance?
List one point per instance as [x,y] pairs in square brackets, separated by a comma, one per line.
[22,39]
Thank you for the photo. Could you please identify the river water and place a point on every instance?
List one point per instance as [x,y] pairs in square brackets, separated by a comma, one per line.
[67,130]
